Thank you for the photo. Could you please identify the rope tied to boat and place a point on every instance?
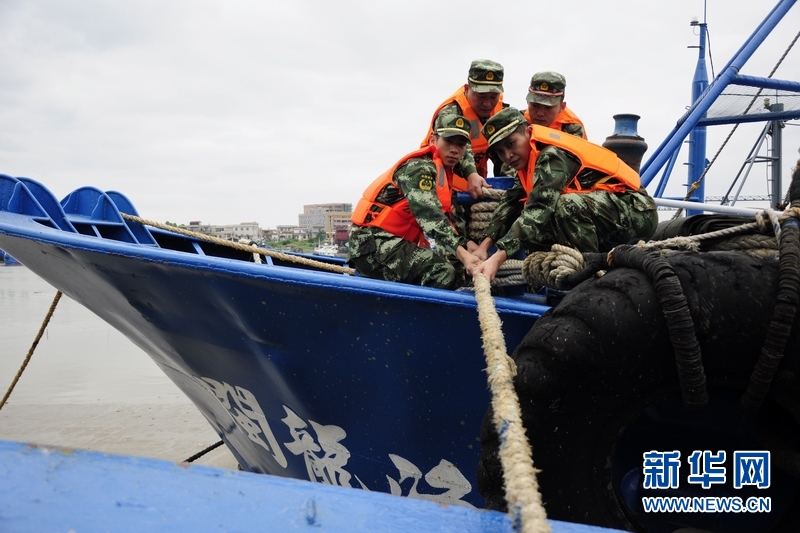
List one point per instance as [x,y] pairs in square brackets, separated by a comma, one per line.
[554,270]
[787,229]
[564,267]
[243,247]
[203,452]
[522,488]
[35,343]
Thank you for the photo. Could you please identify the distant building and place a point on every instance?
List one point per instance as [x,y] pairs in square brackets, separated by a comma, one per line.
[283,233]
[268,234]
[325,217]
[229,232]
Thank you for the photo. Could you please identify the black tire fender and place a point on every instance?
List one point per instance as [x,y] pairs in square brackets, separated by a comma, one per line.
[591,365]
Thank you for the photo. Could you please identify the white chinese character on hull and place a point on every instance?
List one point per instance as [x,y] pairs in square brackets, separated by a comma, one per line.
[445,475]
[247,415]
[324,456]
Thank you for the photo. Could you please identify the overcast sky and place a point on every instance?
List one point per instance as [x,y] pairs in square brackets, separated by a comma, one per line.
[237,111]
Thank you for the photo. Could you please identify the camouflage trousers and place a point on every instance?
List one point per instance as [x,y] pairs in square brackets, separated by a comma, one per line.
[378,254]
[597,221]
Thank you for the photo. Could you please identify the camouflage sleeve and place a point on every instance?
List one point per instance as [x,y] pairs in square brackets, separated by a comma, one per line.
[459,217]
[506,212]
[554,169]
[417,179]
[507,170]
[574,129]
[467,165]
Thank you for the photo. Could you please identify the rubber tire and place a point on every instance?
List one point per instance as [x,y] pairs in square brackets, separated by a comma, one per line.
[591,365]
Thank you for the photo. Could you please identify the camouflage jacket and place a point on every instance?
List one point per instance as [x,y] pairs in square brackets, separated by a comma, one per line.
[514,223]
[425,204]
[571,128]
[574,129]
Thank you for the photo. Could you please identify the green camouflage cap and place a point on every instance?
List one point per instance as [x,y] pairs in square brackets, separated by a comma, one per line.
[452,124]
[502,124]
[547,88]
[485,76]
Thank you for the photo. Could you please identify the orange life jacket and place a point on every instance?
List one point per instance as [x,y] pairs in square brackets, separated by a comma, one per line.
[565,116]
[480,146]
[397,218]
[619,176]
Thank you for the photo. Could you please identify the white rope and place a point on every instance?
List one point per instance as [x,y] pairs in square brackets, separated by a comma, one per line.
[519,475]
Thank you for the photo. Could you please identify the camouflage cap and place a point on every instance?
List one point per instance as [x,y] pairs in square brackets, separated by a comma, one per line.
[502,124]
[485,76]
[451,124]
[547,88]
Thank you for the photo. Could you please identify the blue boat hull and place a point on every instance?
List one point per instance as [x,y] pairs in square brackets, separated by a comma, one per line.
[51,489]
[304,374]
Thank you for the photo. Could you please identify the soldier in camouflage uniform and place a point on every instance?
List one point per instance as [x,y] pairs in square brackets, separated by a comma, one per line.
[477,100]
[411,204]
[546,107]
[574,194]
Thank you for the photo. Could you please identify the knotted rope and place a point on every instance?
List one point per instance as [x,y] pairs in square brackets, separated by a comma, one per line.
[243,247]
[519,475]
[553,268]
[550,268]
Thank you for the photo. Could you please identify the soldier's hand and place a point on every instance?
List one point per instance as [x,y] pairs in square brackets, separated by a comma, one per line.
[483,248]
[467,259]
[477,251]
[476,185]
[490,267]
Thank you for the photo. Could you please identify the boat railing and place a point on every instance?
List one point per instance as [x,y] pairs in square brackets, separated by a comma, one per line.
[95,213]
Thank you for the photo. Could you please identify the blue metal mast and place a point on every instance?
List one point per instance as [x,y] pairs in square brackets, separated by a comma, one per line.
[729,74]
[697,138]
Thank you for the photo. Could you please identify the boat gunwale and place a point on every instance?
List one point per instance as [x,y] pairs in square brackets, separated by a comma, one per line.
[26,227]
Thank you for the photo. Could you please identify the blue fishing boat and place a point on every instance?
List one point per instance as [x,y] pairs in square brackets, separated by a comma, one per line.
[304,373]
[309,371]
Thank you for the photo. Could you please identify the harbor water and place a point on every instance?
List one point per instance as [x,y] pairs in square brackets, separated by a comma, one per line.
[86,385]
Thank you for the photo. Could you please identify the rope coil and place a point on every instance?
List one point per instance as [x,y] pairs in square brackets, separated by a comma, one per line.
[481,212]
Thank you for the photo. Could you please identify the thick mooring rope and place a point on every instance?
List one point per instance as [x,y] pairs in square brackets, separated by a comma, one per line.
[552,268]
[519,475]
[42,328]
[242,247]
[774,348]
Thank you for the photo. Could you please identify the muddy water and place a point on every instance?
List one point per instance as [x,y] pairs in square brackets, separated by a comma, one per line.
[87,386]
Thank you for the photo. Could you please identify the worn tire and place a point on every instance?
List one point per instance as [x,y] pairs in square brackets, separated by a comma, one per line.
[589,368]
